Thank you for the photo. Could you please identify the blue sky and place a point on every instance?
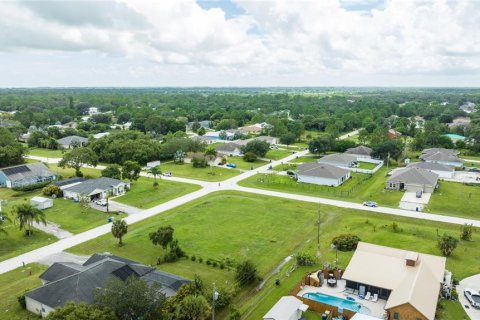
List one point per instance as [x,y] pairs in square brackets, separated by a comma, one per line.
[239,43]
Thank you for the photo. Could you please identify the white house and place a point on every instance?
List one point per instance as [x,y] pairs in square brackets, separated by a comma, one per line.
[322,174]
[287,308]
[152,164]
[97,188]
[92,111]
[271,140]
[72,141]
[361,152]
[41,202]
[442,170]
[341,160]
[443,156]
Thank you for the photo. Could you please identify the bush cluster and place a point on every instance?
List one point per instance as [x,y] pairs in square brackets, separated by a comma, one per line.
[346,242]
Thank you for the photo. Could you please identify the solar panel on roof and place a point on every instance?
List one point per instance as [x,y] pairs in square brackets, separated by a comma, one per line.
[15,170]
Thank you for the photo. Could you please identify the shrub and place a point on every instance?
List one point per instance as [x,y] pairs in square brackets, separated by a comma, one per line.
[222,265]
[52,189]
[199,161]
[200,259]
[22,302]
[31,187]
[155,184]
[193,258]
[447,244]
[224,298]
[395,227]
[246,273]
[305,259]
[209,262]
[214,264]
[346,242]
[454,294]
[250,157]
[466,234]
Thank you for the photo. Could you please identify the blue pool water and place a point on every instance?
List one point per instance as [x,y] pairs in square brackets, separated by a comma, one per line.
[337,302]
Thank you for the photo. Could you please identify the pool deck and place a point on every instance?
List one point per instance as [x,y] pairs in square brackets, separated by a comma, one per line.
[376,308]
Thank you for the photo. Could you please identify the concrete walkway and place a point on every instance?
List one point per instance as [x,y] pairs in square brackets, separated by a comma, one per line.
[53,229]
[472,282]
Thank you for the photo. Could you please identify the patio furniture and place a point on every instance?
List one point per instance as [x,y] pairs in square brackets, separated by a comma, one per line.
[331,281]
[368,296]
[349,290]
[375,297]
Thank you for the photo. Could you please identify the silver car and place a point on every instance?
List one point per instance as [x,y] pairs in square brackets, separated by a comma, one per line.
[473,297]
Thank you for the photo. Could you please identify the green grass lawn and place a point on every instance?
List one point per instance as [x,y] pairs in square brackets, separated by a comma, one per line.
[456,199]
[366,165]
[305,159]
[47,153]
[186,170]
[352,190]
[70,173]
[277,154]
[286,167]
[244,165]
[14,284]
[144,195]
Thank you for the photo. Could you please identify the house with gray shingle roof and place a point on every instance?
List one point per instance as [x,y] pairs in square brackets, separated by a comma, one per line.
[229,149]
[96,189]
[443,156]
[322,174]
[25,174]
[341,160]
[361,152]
[64,281]
[413,179]
[442,170]
[72,141]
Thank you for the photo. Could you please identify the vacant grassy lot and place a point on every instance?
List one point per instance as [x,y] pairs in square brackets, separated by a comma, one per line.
[70,173]
[186,170]
[144,195]
[356,189]
[14,284]
[305,159]
[47,153]
[244,165]
[456,199]
[277,154]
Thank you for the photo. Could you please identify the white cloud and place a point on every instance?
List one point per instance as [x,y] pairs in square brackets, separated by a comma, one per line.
[308,42]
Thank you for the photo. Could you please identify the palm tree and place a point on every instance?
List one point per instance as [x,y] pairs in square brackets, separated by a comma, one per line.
[119,229]
[26,215]
[3,218]
[155,171]
[211,155]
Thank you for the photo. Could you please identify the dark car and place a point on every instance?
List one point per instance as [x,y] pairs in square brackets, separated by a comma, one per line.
[474,170]
[418,194]
[290,173]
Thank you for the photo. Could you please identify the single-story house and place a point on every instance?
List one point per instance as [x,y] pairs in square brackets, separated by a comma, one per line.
[92,111]
[393,134]
[253,129]
[101,135]
[287,308]
[410,282]
[67,281]
[460,122]
[442,170]
[468,107]
[216,135]
[229,149]
[361,152]
[41,203]
[72,141]
[25,174]
[341,160]
[153,164]
[413,179]
[96,189]
[205,139]
[271,140]
[442,156]
[65,183]
[322,174]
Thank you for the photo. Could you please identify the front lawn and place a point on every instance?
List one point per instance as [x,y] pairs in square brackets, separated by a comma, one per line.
[305,159]
[244,165]
[70,173]
[186,170]
[277,154]
[46,153]
[143,195]
[456,199]
[14,284]
[359,189]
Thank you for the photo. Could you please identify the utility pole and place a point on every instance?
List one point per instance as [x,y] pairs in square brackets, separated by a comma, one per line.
[388,160]
[214,297]
[318,226]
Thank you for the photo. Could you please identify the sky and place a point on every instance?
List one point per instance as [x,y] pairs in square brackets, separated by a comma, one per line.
[239,43]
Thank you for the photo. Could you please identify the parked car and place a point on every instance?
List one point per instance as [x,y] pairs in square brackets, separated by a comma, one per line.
[231,165]
[473,297]
[168,174]
[474,170]
[273,147]
[371,204]
[418,194]
[290,173]
[101,202]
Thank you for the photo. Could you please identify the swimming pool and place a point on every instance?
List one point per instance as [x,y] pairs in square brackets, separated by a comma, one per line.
[337,302]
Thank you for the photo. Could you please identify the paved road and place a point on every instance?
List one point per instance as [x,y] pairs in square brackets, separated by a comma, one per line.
[209,187]
[53,229]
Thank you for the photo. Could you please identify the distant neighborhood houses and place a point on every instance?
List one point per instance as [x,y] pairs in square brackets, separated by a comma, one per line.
[25,174]
[68,281]
[468,107]
[443,156]
[361,152]
[72,141]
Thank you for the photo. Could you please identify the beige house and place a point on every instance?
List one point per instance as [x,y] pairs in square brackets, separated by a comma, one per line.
[409,281]
[413,179]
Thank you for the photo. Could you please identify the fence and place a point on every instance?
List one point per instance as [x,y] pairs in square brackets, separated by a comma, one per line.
[369,171]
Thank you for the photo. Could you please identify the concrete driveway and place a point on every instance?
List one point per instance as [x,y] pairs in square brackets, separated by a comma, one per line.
[465,177]
[472,282]
[410,201]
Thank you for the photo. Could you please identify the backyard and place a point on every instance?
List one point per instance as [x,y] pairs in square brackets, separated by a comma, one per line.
[456,199]
[143,195]
[305,159]
[244,165]
[186,170]
[358,189]
[69,172]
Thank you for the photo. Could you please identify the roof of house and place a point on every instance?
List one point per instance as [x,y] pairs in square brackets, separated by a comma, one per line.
[61,183]
[72,282]
[204,138]
[66,141]
[266,139]
[442,150]
[413,175]
[339,158]
[441,156]
[432,166]
[285,308]
[40,199]
[252,128]
[25,171]
[88,186]
[100,135]
[386,267]
[361,150]
[230,146]
[321,170]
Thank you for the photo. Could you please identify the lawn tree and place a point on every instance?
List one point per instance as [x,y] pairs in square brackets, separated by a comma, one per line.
[131,170]
[162,237]
[11,151]
[26,215]
[223,135]
[246,273]
[447,244]
[119,229]
[260,148]
[466,233]
[77,158]
[195,126]
[3,219]
[288,138]
[250,157]
[193,307]
[112,171]
[179,156]
[155,171]
[210,156]
[392,148]
[72,310]
[132,299]
[201,131]
[320,144]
